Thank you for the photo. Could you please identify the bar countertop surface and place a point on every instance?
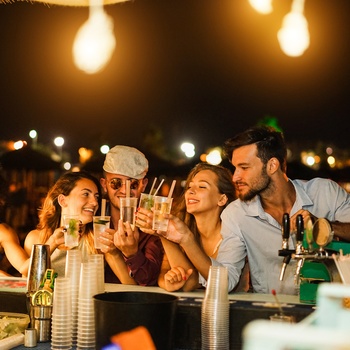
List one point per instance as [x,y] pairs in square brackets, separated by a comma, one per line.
[244,307]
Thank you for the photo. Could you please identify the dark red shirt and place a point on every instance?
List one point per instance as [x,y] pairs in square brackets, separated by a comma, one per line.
[145,266]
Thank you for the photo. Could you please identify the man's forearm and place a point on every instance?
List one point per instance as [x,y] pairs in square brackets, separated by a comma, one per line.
[341,230]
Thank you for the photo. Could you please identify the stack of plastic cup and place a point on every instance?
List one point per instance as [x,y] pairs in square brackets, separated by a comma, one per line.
[98,261]
[73,267]
[61,326]
[86,314]
[215,311]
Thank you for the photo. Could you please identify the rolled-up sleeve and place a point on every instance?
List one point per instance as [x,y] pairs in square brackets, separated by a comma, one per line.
[232,252]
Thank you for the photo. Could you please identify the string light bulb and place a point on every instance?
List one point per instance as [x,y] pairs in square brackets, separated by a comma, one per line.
[95,42]
[294,37]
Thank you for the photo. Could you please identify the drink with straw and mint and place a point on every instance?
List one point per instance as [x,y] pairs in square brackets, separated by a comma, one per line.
[146,202]
[71,224]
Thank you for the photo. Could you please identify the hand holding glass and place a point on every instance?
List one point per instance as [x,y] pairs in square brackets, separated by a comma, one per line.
[71,224]
[100,224]
[162,205]
[128,207]
[146,202]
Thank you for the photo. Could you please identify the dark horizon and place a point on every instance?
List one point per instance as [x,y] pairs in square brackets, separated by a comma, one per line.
[183,70]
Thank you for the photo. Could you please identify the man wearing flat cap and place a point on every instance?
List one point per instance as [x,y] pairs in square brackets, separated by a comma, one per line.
[137,256]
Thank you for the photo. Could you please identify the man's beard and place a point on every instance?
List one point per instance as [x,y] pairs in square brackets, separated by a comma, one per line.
[260,186]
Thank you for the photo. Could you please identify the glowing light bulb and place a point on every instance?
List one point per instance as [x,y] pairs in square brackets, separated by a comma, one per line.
[262,6]
[95,42]
[294,37]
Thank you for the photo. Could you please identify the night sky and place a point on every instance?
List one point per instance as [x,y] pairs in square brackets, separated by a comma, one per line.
[195,70]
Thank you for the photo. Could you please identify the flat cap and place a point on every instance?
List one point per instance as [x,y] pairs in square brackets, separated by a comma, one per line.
[127,161]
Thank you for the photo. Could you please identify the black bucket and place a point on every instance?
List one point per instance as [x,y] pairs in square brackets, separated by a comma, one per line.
[117,312]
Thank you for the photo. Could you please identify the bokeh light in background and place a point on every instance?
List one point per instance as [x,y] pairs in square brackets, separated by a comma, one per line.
[214,156]
[189,149]
[19,144]
[104,149]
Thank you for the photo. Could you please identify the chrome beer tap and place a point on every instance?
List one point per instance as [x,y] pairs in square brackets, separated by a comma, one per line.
[299,249]
[285,245]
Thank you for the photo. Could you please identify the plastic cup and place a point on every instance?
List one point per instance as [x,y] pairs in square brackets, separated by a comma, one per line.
[128,207]
[215,311]
[146,202]
[282,318]
[162,205]
[217,284]
[100,224]
[71,236]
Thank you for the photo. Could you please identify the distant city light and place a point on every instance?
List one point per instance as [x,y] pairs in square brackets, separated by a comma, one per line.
[189,149]
[59,141]
[19,144]
[67,165]
[329,150]
[104,149]
[84,154]
[75,169]
[310,160]
[214,157]
[331,161]
[317,159]
[33,134]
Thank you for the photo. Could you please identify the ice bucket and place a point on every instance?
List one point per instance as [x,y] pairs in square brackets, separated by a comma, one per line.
[117,312]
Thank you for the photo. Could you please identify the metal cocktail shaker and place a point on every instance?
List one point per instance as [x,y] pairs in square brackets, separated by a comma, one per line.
[39,262]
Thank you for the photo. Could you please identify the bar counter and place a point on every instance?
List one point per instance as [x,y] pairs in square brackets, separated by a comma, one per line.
[244,307]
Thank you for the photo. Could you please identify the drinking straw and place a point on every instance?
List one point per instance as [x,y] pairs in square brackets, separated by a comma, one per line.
[154,182]
[127,188]
[103,207]
[161,183]
[278,302]
[172,189]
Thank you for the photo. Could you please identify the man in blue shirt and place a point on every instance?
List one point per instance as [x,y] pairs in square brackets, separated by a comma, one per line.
[254,221]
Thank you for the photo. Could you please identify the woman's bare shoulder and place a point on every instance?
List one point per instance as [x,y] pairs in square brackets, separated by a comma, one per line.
[31,238]
[7,233]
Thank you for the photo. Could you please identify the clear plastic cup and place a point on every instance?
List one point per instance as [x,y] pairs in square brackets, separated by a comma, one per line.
[282,318]
[215,311]
[128,207]
[71,224]
[162,205]
[146,202]
[100,224]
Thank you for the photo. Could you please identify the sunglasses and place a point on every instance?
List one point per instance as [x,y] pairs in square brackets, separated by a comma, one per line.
[117,183]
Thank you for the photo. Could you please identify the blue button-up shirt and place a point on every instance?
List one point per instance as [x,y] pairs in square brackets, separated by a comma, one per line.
[250,231]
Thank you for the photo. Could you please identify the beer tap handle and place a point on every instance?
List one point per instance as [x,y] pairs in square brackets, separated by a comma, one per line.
[285,246]
[285,231]
[300,228]
[299,234]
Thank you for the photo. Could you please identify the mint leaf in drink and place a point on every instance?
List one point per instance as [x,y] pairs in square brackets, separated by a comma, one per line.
[101,222]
